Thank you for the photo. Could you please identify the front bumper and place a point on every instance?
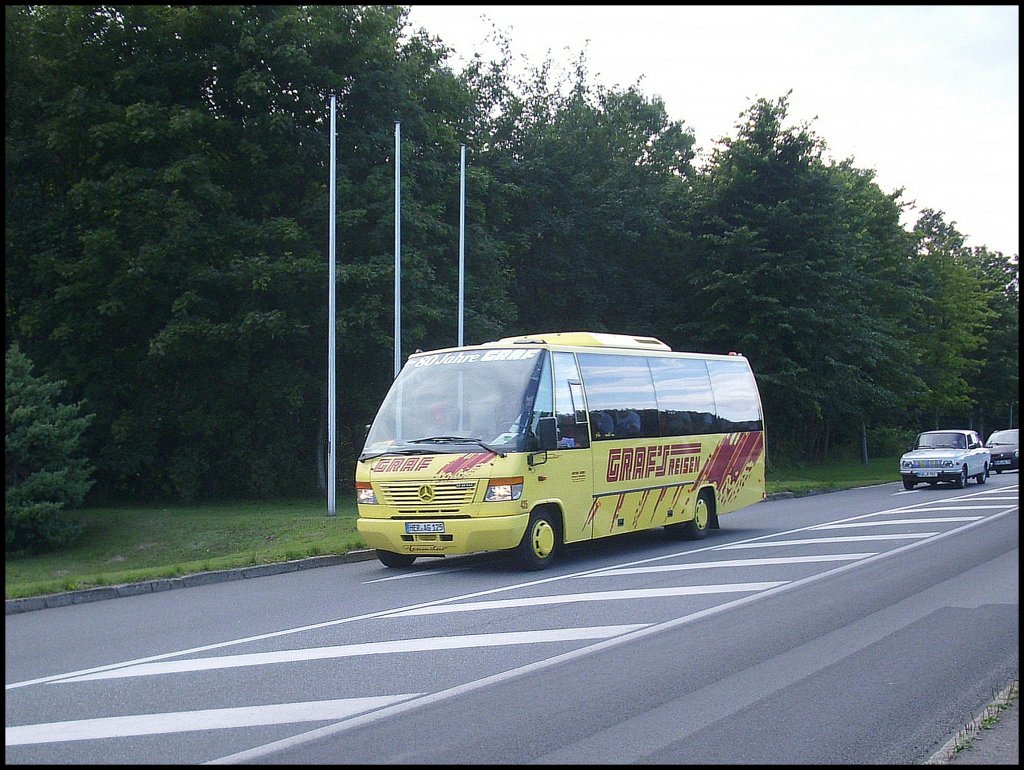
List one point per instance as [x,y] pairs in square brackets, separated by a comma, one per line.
[486,533]
[931,474]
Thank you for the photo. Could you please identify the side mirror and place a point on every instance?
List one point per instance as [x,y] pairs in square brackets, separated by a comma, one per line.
[547,433]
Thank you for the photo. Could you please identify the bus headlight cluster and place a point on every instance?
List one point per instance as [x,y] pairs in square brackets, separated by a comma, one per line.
[365,494]
[503,490]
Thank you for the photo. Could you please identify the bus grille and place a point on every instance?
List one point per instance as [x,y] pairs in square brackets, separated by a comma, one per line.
[428,498]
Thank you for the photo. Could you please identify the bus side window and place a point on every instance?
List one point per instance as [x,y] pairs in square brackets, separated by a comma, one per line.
[620,393]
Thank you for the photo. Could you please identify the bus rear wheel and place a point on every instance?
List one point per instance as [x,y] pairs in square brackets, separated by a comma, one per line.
[395,560]
[540,543]
[697,527]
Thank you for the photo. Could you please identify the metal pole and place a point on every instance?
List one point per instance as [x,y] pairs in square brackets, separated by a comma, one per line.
[331,430]
[462,245]
[398,248]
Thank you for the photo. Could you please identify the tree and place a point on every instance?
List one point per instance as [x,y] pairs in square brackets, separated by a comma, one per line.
[593,186]
[996,386]
[952,322]
[166,227]
[785,272]
[44,471]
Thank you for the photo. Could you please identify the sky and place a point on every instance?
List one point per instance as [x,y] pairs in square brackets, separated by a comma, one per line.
[926,96]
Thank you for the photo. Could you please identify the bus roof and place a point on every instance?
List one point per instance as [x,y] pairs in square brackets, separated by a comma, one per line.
[586,339]
[581,340]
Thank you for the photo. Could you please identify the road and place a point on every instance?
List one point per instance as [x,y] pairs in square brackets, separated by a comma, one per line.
[853,627]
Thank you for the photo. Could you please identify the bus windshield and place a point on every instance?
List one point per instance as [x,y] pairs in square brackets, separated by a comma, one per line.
[458,401]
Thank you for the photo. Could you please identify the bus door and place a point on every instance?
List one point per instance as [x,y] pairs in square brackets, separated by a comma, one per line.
[565,476]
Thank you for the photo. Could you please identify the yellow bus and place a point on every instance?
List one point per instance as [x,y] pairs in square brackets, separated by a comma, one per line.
[530,443]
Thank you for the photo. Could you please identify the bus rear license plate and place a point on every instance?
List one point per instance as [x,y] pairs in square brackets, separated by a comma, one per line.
[423,527]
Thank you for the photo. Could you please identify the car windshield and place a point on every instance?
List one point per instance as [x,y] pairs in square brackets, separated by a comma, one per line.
[1003,437]
[941,440]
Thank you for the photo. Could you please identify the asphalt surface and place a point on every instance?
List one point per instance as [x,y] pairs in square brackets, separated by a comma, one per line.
[992,737]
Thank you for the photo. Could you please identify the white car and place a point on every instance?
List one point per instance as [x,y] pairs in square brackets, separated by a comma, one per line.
[946,455]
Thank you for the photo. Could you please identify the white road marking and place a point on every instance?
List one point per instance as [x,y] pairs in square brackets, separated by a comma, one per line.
[426,644]
[969,507]
[265,750]
[418,574]
[598,596]
[616,571]
[187,721]
[886,522]
[819,540]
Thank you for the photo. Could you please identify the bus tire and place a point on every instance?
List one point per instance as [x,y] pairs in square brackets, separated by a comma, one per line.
[703,511]
[395,560]
[540,542]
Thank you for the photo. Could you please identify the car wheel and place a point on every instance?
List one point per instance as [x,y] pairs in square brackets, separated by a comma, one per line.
[982,477]
[395,560]
[539,545]
[908,484]
[961,481]
[999,470]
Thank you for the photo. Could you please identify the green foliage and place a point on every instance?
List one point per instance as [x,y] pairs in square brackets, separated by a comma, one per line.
[43,469]
[793,261]
[166,203]
[951,326]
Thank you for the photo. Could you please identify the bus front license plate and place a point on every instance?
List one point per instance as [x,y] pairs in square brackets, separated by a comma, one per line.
[423,527]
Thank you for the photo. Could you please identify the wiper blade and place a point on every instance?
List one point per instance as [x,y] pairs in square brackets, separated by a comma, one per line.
[456,440]
[364,456]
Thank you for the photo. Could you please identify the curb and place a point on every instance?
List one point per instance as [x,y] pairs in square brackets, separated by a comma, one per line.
[86,595]
[963,738]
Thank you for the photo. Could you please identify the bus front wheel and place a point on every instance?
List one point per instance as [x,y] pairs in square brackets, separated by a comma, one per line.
[539,545]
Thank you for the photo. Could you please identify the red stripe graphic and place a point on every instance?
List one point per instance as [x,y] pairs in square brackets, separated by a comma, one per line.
[731,462]
[640,506]
[466,463]
[592,514]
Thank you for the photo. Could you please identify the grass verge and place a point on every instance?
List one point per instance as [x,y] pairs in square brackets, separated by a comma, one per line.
[129,544]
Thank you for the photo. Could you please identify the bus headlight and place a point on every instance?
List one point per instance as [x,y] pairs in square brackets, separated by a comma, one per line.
[503,490]
[365,494]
